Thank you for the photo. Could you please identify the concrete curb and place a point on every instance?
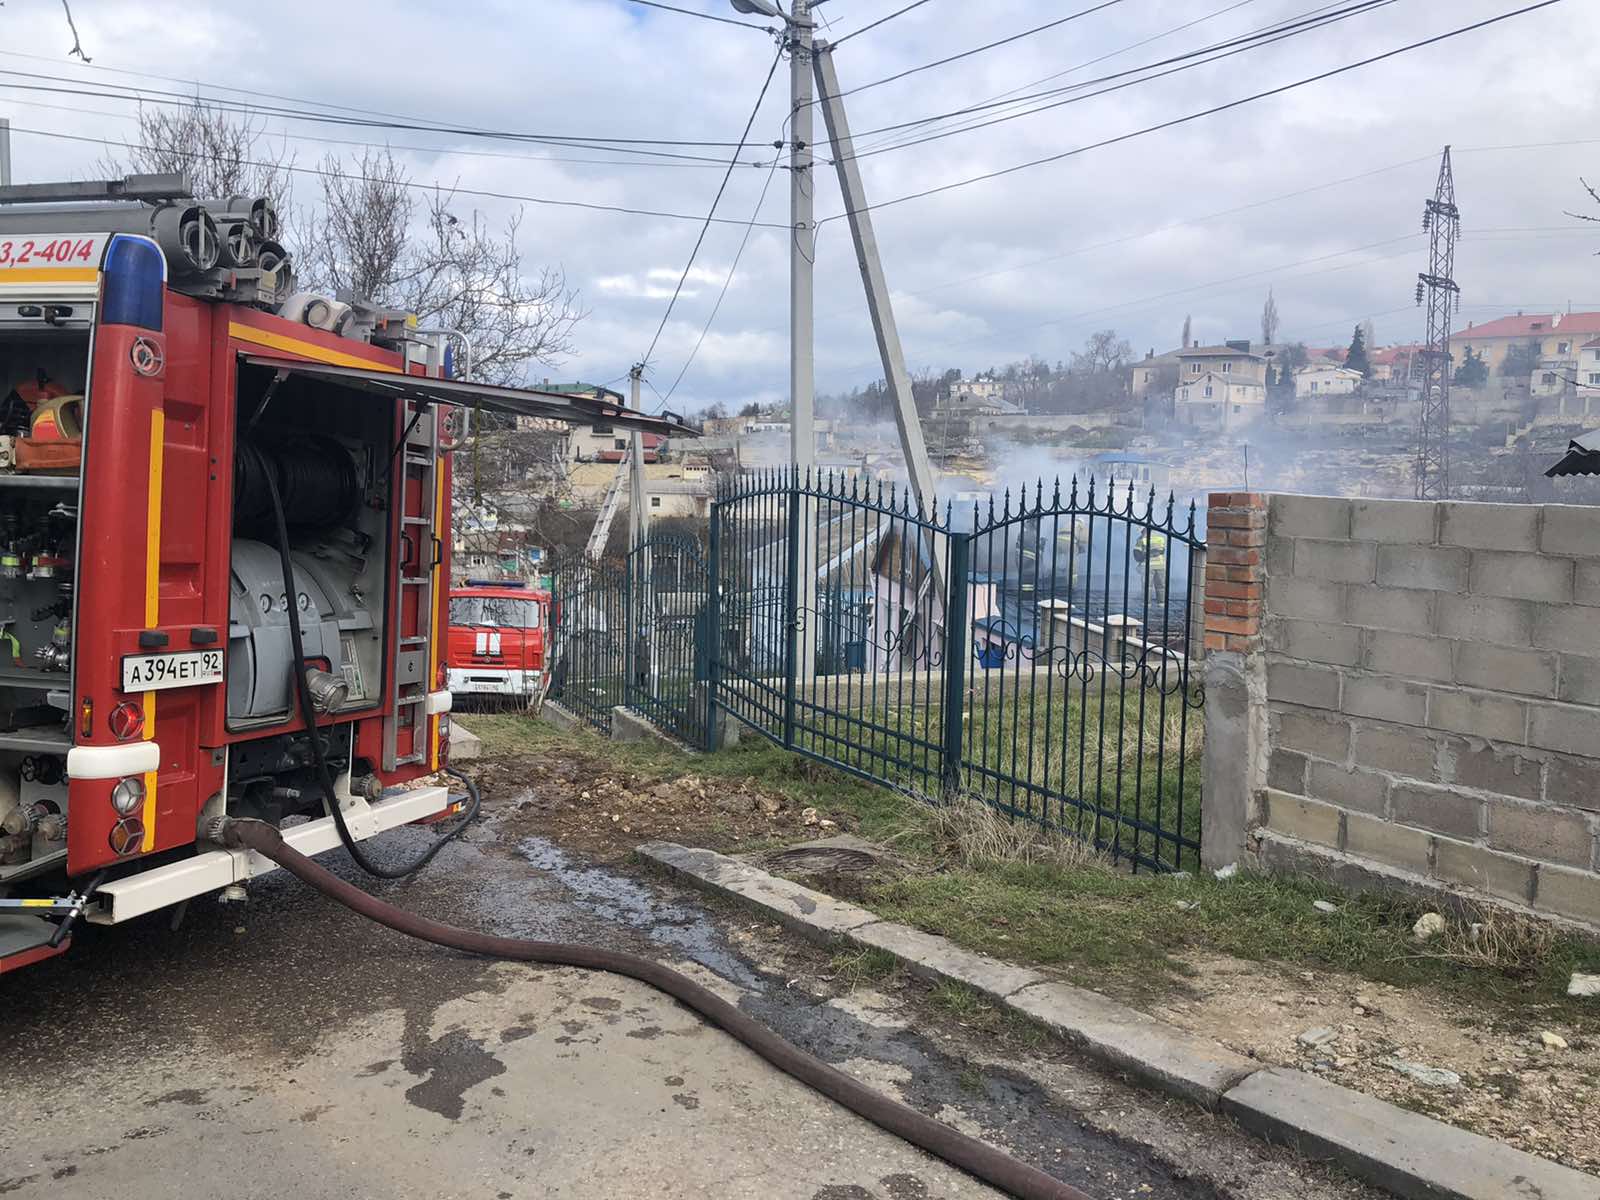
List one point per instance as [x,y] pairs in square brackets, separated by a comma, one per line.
[465,746]
[552,713]
[1408,1154]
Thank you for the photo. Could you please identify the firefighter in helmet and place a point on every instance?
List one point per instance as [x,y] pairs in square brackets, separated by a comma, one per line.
[1150,552]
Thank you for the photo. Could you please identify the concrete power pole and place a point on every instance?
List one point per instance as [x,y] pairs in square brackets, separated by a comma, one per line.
[802,247]
[638,514]
[802,326]
[859,215]
[5,152]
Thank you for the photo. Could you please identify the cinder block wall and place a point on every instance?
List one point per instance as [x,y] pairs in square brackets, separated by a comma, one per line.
[1433,693]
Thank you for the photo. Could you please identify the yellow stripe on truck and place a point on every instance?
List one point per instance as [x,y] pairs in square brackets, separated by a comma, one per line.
[289,345]
[433,615]
[49,274]
[152,597]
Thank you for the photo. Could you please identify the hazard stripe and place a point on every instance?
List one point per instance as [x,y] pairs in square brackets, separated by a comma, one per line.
[433,615]
[289,345]
[152,598]
[49,275]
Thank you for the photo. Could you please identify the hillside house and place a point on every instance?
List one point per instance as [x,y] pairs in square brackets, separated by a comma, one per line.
[1151,371]
[1560,338]
[608,444]
[1394,365]
[1325,379]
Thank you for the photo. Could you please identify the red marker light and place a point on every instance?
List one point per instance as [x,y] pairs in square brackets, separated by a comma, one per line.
[126,721]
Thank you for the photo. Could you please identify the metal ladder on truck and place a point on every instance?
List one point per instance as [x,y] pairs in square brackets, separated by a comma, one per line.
[405,733]
[598,536]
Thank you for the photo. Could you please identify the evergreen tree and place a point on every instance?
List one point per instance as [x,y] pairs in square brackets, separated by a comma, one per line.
[1472,372]
[1356,357]
[1184,344]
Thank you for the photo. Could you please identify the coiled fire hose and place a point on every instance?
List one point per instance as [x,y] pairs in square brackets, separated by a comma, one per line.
[982,1161]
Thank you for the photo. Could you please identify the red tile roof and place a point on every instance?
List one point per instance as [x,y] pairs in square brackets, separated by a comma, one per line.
[1533,325]
[1390,354]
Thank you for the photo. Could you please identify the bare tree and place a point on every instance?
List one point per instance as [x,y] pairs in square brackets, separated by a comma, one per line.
[1269,319]
[465,275]
[1103,351]
[453,271]
[221,156]
[356,242]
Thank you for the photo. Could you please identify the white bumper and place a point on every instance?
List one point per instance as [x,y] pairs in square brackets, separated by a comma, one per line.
[150,890]
[492,681]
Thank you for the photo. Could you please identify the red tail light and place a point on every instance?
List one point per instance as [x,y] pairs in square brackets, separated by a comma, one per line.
[126,721]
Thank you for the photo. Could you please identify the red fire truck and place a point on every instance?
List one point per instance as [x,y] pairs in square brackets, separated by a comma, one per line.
[202,469]
[497,640]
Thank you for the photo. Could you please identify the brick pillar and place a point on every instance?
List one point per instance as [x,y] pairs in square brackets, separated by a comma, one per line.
[1234,756]
[1236,547]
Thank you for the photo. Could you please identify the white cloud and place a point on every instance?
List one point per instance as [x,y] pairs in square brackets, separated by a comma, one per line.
[608,68]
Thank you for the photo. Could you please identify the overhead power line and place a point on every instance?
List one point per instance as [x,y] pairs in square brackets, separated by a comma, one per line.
[727,282]
[450,189]
[1171,225]
[1132,77]
[899,12]
[704,16]
[715,200]
[189,100]
[940,62]
[452,151]
[1195,116]
[1110,54]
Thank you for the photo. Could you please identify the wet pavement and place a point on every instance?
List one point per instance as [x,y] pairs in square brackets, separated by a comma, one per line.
[286,1047]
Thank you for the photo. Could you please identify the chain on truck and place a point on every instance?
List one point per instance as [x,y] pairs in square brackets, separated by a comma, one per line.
[203,469]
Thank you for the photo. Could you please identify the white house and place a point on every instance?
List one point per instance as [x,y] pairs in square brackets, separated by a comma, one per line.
[1325,379]
[1213,400]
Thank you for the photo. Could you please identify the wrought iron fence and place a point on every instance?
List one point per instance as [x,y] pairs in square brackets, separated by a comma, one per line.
[1038,653]
[667,604]
[588,656]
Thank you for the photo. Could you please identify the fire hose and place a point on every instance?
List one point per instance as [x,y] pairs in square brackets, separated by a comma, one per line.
[982,1161]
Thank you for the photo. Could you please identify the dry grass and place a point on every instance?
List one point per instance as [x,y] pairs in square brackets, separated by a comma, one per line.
[1180,741]
[974,834]
[1493,939]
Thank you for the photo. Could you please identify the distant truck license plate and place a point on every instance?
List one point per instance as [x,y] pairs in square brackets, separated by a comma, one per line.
[150,672]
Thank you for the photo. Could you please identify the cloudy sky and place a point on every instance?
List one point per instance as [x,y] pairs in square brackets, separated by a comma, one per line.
[1316,192]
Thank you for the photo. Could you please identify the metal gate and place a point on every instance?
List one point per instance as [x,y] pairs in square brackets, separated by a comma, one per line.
[1039,653]
[668,648]
[587,639]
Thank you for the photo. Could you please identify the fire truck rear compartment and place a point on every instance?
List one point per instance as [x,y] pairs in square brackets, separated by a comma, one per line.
[328,449]
[328,452]
[47,365]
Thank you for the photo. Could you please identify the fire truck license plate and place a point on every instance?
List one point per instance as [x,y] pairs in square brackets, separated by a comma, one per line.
[149,672]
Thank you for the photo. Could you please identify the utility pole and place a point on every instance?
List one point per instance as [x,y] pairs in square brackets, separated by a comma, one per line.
[1442,220]
[802,330]
[638,515]
[862,233]
[5,152]
[802,246]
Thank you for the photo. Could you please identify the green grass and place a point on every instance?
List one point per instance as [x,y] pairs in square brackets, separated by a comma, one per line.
[1127,933]
[860,968]
[1078,757]
[1007,888]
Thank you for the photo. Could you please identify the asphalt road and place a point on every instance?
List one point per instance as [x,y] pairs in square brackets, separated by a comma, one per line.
[286,1048]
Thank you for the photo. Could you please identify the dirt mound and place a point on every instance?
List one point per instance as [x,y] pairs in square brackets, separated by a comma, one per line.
[606,811]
